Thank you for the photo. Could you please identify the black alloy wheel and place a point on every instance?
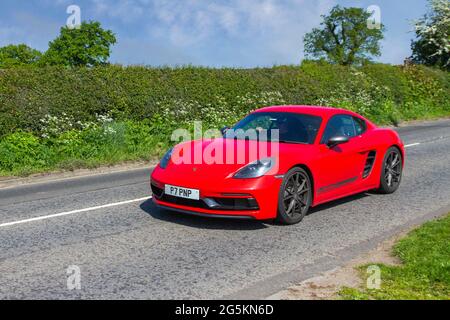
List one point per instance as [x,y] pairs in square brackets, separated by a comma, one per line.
[295,196]
[391,172]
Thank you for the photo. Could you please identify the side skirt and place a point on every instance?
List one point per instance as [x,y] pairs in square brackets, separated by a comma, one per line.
[348,194]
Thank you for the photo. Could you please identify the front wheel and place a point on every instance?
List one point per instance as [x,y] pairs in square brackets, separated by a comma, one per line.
[295,197]
[391,171]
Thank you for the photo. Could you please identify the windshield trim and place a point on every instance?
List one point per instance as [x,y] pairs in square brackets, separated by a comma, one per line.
[284,141]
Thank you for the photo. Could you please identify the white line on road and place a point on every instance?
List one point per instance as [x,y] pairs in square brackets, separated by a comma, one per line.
[7,224]
[412,145]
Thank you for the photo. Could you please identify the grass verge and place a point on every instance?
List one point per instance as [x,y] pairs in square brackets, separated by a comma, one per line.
[101,144]
[425,270]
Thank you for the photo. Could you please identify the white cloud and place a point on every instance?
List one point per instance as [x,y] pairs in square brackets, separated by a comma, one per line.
[277,26]
[30,29]
[136,52]
[125,10]
[195,20]
[209,32]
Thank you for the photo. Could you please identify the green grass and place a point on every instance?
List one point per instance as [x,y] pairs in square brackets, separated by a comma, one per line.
[25,153]
[425,270]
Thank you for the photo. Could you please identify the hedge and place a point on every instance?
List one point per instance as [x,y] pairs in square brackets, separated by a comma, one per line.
[384,93]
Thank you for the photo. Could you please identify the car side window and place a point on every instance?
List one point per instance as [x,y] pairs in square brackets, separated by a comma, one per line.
[360,126]
[340,125]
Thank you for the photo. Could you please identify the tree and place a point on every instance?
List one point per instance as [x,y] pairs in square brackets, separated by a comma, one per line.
[18,55]
[432,46]
[344,37]
[88,45]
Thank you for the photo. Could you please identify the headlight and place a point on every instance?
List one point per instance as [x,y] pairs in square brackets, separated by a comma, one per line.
[165,160]
[255,169]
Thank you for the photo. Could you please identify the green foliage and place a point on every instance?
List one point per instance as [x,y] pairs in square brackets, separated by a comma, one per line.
[88,45]
[101,115]
[22,153]
[21,150]
[432,46]
[344,37]
[425,273]
[18,55]
[172,96]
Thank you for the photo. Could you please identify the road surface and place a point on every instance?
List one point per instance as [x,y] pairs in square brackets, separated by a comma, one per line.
[125,248]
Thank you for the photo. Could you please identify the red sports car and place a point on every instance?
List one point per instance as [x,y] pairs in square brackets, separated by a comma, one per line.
[294,158]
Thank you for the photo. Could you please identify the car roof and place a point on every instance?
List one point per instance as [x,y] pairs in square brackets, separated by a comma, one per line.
[311,110]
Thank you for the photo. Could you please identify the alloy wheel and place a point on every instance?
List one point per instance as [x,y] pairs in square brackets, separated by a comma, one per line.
[393,169]
[295,196]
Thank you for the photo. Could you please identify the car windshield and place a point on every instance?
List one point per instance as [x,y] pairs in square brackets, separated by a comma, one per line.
[292,127]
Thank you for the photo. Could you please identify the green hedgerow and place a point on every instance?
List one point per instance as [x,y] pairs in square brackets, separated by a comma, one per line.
[56,117]
[28,95]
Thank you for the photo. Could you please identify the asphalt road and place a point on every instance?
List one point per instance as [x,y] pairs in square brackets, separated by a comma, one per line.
[131,250]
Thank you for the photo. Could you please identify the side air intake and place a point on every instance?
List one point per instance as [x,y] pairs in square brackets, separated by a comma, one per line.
[369,164]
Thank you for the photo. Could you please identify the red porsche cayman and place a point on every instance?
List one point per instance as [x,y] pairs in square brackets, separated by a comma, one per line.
[278,162]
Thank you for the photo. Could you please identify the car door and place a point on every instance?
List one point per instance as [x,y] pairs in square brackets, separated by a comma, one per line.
[340,166]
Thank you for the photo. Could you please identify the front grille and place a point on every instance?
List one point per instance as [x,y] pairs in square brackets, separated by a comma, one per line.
[184,202]
[225,204]
[237,203]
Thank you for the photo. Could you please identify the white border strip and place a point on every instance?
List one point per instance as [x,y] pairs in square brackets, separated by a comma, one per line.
[7,224]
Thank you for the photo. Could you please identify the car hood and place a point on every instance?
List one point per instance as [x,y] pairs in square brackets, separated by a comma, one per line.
[221,158]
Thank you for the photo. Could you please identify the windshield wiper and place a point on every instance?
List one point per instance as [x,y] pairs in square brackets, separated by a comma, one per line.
[288,141]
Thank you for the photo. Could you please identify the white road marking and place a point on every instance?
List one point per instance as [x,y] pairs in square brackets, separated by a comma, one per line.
[412,145]
[7,224]
[50,216]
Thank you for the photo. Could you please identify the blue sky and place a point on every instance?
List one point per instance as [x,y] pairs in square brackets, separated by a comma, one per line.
[235,33]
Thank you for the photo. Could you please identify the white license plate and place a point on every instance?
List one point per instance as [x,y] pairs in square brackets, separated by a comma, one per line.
[182,192]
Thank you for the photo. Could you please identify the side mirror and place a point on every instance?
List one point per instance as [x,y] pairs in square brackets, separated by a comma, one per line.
[337,140]
[224,130]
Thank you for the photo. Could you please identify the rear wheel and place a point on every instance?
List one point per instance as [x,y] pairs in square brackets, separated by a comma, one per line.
[295,197]
[391,171]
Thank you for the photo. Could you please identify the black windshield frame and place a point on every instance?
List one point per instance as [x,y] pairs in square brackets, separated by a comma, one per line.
[302,128]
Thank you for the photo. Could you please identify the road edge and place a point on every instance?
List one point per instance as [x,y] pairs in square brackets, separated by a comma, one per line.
[11,182]
[266,288]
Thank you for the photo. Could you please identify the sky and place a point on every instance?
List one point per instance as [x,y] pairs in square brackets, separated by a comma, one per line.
[228,33]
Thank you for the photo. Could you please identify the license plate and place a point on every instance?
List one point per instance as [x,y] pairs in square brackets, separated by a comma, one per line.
[181,192]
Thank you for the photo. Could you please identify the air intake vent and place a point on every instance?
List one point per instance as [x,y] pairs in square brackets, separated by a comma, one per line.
[369,164]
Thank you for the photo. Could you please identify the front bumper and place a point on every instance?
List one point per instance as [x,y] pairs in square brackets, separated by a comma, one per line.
[199,214]
[234,198]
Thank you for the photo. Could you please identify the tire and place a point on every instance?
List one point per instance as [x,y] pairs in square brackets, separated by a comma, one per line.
[295,197]
[391,171]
